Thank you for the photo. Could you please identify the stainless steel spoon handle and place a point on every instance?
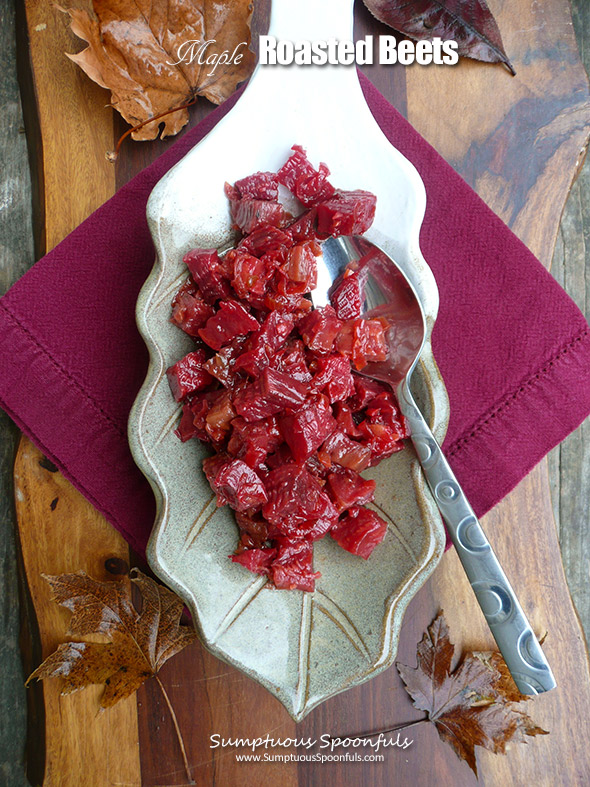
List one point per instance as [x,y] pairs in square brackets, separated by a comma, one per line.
[508,623]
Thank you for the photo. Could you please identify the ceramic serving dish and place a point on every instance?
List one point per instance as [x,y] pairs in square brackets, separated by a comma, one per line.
[302,647]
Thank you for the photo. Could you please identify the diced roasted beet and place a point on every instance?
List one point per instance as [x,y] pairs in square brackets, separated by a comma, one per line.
[267,240]
[296,500]
[282,389]
[255,531]
[264,343]
[304,227]
[249,214]
[206,270]
[219,416]
[293,568]
[189,310]
[314,189]
[251,442]
[347,488]
[339,449]
[186,428]
[260,185]
[306,430]
[359,531]
[229,321]
[349,296]
[320,328]
[251,404]
[221,365]
[363,341]
[256,560]
[381,439]
[235,483]
[383,409]
[296,167]
[345,419]
[291,360]
[188,375]
[334,378]
[295,303]
[301,266]
[346,213]
[365,391]
[250,276]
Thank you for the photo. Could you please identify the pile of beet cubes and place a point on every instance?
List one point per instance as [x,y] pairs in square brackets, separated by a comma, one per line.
[272,384]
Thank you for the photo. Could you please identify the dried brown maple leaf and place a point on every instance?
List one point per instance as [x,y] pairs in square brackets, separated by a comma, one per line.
[133,46]
[139,644]
[468,22]
[470,706]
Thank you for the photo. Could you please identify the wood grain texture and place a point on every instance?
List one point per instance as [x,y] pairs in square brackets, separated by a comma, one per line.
[569,463]
[519,151]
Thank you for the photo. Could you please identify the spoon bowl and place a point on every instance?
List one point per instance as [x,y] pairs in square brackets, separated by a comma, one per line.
[389,294]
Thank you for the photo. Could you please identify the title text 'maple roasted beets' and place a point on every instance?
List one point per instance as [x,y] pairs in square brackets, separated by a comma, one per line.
[272,384]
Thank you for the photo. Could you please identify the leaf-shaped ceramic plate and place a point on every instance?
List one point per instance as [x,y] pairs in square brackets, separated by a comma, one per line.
[303,647]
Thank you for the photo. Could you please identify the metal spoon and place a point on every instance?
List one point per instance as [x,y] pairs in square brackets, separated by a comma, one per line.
[388,293]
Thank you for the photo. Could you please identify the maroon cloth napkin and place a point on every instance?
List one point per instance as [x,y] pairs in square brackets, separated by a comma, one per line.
[513,348]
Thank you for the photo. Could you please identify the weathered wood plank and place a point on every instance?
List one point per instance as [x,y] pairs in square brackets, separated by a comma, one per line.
[16,255]
[569,463]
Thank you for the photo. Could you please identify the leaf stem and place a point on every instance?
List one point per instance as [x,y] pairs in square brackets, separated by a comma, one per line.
[177,728]
[113,154]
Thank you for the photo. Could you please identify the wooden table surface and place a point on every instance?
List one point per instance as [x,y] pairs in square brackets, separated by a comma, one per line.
[518,141]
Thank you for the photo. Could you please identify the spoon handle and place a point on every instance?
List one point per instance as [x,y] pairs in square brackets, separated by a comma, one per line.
[508,623]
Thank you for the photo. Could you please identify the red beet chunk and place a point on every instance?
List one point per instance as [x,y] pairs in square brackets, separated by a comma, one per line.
[250,276]
[291,360]
[334,378]
[346,213]
[282,389]
[345,419]
[186,428]
[347,488]
[320,328]
[365,391]
[306,430]
[304,227]
[207,272]
[260,185]
[256,560]
[250,214]
[189,310]
[267,240]
[296,167]
[348,297]
[301,266]
[339,449]
[383,410]
[251,442]
[221,365]
[219,416]
[235,483]
[296,500]
[363,341]
[292,303]
[314,189]
[264,343]
[382,440]
[254,530]
[188,375]
[231,320]
[293,568]
[252,405]
[359,531]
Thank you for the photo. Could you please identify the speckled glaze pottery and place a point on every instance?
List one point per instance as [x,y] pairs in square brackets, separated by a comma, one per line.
[303,647]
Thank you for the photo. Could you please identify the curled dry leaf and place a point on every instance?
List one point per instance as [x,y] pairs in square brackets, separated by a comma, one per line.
[140,643]
[468,22]
[473,705]
[133,51]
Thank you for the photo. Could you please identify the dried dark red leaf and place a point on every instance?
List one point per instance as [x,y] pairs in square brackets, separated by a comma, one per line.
[468,22]
[470,705]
